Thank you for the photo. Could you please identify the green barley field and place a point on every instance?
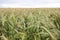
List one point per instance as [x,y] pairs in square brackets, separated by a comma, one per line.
[30,24]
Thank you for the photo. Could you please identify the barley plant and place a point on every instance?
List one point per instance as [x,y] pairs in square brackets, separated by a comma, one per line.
[29,24]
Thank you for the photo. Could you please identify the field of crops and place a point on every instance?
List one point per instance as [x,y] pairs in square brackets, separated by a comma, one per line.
[30,24]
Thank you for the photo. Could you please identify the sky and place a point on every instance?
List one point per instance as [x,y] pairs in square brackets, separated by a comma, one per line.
[29,3]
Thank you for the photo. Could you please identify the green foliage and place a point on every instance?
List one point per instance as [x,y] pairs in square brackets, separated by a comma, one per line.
[29,25]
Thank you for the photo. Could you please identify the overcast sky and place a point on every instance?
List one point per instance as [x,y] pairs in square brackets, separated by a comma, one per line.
[29,3]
